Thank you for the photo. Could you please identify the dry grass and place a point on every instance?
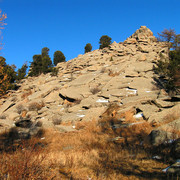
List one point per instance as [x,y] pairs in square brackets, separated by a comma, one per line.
[113,74]
[91,152]
[35,106]
[95,90]
[26,94]
[28,161]
[20,108]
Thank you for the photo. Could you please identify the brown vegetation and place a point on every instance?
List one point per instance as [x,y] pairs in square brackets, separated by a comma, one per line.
[95,151]
[26,94]
[35,106]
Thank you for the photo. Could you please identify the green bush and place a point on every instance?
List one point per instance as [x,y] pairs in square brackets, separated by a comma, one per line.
[105,41]
[58,57]
[88,48]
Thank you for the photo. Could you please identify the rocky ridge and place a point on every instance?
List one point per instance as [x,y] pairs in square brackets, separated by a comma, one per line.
[85,87]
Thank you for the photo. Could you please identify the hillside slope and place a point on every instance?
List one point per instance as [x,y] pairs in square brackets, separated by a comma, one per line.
[85,87]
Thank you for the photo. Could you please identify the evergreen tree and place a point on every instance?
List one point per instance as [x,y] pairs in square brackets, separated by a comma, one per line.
[41,63]
[105,41]
[46,60]
[21,73]
[36,66]
[169,68]
[7,76]
[88,48]
[58,57]
[169,71]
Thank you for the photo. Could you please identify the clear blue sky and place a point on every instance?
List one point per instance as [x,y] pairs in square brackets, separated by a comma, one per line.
[67,25]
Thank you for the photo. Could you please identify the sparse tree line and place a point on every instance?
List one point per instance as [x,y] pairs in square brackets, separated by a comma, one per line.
[41,64]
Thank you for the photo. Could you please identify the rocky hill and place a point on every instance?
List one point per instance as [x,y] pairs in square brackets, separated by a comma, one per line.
[86,86]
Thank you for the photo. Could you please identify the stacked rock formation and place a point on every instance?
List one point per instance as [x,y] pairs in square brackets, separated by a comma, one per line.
[85,86]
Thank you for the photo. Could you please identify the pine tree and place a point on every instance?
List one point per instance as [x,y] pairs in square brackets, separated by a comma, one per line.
[36,66]
[105,41]
[58,57]
[46,60]
[21,73]
[88,48]
[41,63]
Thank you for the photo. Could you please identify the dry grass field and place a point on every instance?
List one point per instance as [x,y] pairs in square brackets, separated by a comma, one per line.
[94,151]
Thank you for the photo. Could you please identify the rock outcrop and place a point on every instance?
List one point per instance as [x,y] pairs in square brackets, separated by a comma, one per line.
[85,86]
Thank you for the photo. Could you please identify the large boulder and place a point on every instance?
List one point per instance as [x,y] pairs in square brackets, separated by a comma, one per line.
[157,137]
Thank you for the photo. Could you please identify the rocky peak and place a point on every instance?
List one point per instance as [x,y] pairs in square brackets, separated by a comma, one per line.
[143,34]
[87,85]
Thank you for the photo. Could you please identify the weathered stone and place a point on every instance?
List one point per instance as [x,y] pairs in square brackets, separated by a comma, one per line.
[40,94]
[148,110]
[163,104]
[6,123]
[70,117]
[12,116]
[165,115]
[63,128]
[6,106]
[130,41]
[158,137]
[76,93]
[94,113]
[173,126]
[144,35]
[84,79]
[53,97]
[142,57]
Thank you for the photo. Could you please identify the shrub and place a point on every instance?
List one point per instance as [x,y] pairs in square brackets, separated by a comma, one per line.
[26,94]
[57,121]
[88,48]
[105,41]
[54,71]
[95,90]
[35,106]
[58,57]
[20,108]
[111,59]
[3,116]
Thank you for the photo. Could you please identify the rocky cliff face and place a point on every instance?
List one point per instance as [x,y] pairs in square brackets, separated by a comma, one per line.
[86,86]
